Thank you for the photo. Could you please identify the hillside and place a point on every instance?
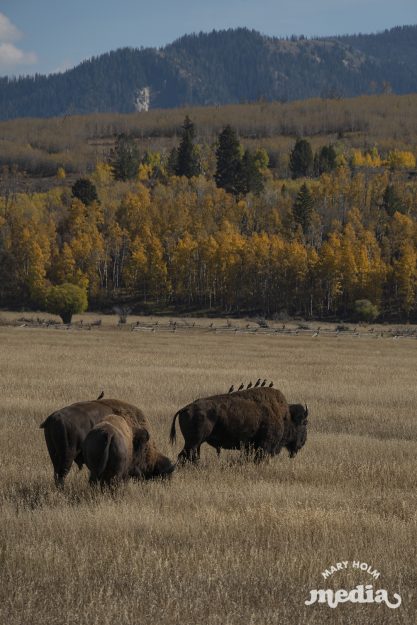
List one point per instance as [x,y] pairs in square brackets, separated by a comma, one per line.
[220,67]
[39,147]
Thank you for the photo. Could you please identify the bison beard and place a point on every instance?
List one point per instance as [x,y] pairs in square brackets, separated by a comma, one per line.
[66,429]
[257,419]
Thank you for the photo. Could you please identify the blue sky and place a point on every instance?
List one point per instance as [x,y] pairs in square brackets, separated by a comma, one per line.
[51,35]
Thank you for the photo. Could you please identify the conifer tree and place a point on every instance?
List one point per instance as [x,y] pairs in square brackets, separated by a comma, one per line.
[172,162]
[301,159]
[187,162]
[303,208]
[229,174]
[325,160]
[252,180]
[125,158]
[84,190]
[391,202]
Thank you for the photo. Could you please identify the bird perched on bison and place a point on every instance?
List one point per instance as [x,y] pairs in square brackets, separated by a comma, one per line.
[257,419]
[115,450]
[66,429]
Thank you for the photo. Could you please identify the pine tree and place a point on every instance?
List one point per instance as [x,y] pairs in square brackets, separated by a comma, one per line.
[125,158]
[325,160]
[391,202]
[301,159]
[252,180]
[229,174]
[303,208]
[187,162]
[172,162]
[84,190]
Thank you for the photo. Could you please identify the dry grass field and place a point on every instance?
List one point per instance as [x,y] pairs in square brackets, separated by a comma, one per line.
[226,543]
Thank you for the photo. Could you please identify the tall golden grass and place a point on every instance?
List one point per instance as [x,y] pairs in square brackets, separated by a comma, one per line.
[228,542]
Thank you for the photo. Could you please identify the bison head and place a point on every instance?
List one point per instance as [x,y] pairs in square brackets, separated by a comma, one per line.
[298,436]
[147,462]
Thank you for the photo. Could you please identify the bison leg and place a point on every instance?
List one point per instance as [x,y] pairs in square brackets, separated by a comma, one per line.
[79,460]
[196,429]
[61,472]
[189,454]
[61,461]
[259,455]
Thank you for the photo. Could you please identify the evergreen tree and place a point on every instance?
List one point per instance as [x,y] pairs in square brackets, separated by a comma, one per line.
[125,158]
[303,208]
[301,159]
[188,163]
[172,162]
[84,190]
[229,171]
[391,202]
[252,180]
[325,160]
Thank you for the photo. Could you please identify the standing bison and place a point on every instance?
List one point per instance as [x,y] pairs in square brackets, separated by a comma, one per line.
[257,419]
[66,429]
[115,450]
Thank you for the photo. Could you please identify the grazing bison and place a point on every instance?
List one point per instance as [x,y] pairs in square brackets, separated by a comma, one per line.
[115,450]
[257,419]
[66,429]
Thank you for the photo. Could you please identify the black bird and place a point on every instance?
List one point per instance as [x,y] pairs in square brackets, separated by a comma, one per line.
[271,385]
[258,382]
[231,389]
[249,385]
[101,395]
[263,383]
[241,387]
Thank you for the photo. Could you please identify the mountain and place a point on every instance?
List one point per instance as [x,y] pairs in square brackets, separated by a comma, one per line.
[220,67]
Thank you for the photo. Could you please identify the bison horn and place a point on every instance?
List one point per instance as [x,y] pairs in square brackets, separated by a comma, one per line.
[306,411]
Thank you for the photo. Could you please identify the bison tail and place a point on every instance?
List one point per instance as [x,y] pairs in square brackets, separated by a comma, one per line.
[173,434]
[102,461]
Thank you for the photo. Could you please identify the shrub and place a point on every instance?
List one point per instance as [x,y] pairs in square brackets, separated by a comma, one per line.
[365,310]
[66,300]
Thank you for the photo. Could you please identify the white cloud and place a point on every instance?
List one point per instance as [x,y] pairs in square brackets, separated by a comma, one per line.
[8,31]
[10,55]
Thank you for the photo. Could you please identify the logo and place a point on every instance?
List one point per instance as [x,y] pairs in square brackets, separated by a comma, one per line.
[362,593]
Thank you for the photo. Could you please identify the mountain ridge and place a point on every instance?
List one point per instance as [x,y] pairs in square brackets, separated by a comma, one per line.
[220,67]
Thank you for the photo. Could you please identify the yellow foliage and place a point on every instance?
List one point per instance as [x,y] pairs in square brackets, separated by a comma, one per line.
[368,159]
[398,159]
[103,174]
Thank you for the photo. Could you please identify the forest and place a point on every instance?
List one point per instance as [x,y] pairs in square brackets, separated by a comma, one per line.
[220,67]
[287,212]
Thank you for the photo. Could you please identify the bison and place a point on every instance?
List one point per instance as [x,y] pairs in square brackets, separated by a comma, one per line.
[66,429]
[114,450]
[257,419]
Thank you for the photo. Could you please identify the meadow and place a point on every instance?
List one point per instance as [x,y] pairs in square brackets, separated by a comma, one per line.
[227,542]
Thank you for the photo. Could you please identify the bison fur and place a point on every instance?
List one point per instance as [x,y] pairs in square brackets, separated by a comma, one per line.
[257,419]
[114,450]
[66,429]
